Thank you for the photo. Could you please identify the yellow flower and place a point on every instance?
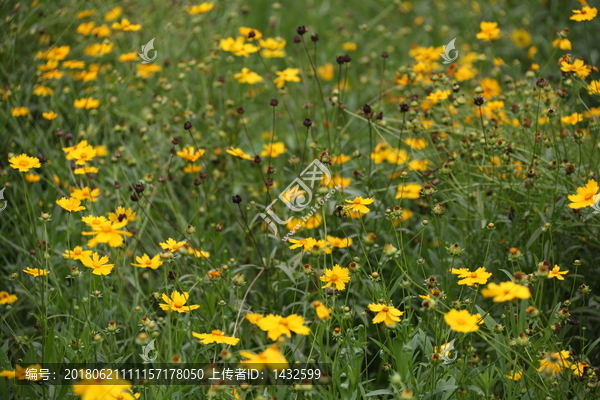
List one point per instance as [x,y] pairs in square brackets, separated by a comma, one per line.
[171,245]
[340,243]
[480,276]
[177,302]
[409,191]
[31,178]
[54,74]
[254,318]
[125,57]
[24,163]
[85,28]
[562,43]
[586,196]
[287,75]
[109,388]
[553,363]
[77,253]
[101,31]
[359,205]
[349,46]
[515,376]
[506,291]
[326,72]
[85,170]
[557,273]
[98,49]
[418,144]
[200,8]
[273,150]
[20,112]
[7,298]
[70,204]
[272,48]
[49,115]
[98,264]
[113,14]
[198,253]
[83,154]
[146,262]
[337,276]
[87,103]
[238,46]
[276,325]
[73,64]
[56,53]
[43,91]
[121,214]
[489,31]
[521,38]
[215,336]
[438,95]
[585,14]
[341,159]
[36,271]
[107,232]
[126,26]
[85,14]
[236,151]
[271,358]
[247,76]
[322,311]
[491,88]
[572,119]
[85,193]
[245,32]
[462,321]
[578,67]
[580,368]
[386,314]
[21,373]
[145,70]
[594,87]
[190,154]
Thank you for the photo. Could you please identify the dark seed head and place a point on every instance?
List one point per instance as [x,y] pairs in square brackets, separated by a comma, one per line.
[307,123]
[301,30]
[237,199]
[478,100]
[187,125]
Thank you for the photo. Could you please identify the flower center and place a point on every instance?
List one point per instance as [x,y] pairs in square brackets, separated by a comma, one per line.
[23,163]
[385,309]
[177,305]
[333,277]
[474,275]
[589,196]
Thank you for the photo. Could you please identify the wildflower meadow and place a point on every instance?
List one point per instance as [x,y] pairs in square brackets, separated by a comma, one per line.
[333,199]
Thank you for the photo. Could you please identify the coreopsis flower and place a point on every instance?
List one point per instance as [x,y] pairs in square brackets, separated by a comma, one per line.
[92,221]
[198,253]
[585,14]
[126,26]
[273,150]
[85,14]
[306,244]
[122,214]
[386,314]
[113,14]
[555,362]
[489,31]
[215,336]
[326,72]
[7,298]
[71,204]
[21,373]
[24,163]
[201,8]
[190,154]
[594,87]
[438,95]
[416,143]
[192,168]
[77,253]
[107,232]
[337,276]
[247,76]
[515,375]
[97,263]
[322,311]
[101,31]
[319,247]
[340,243]
[36,271]
[521,38]
[349,46]
[409,191]
[506,291]
[580,368]
[359,205]
[49,116]
[236,151]
[106,386]
[145,70]
[54,74]
[85,170]
[43,91]
[73,64]
[87,103]
[254,318]
[341,159]
[562,43]
[177,302]
[171,245]
[285,76]
[272,48]
[238,46]
[85,28]
[70,149]
[126,57]
[577,67]
[146,262]
[557,273]
[85,193]
[246,32]
[462,321]
[83,154]
[572,119]
[56,53]
[19,112]
[271,359]
[276,325]
[99,49]
[480,276]
[586,196]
